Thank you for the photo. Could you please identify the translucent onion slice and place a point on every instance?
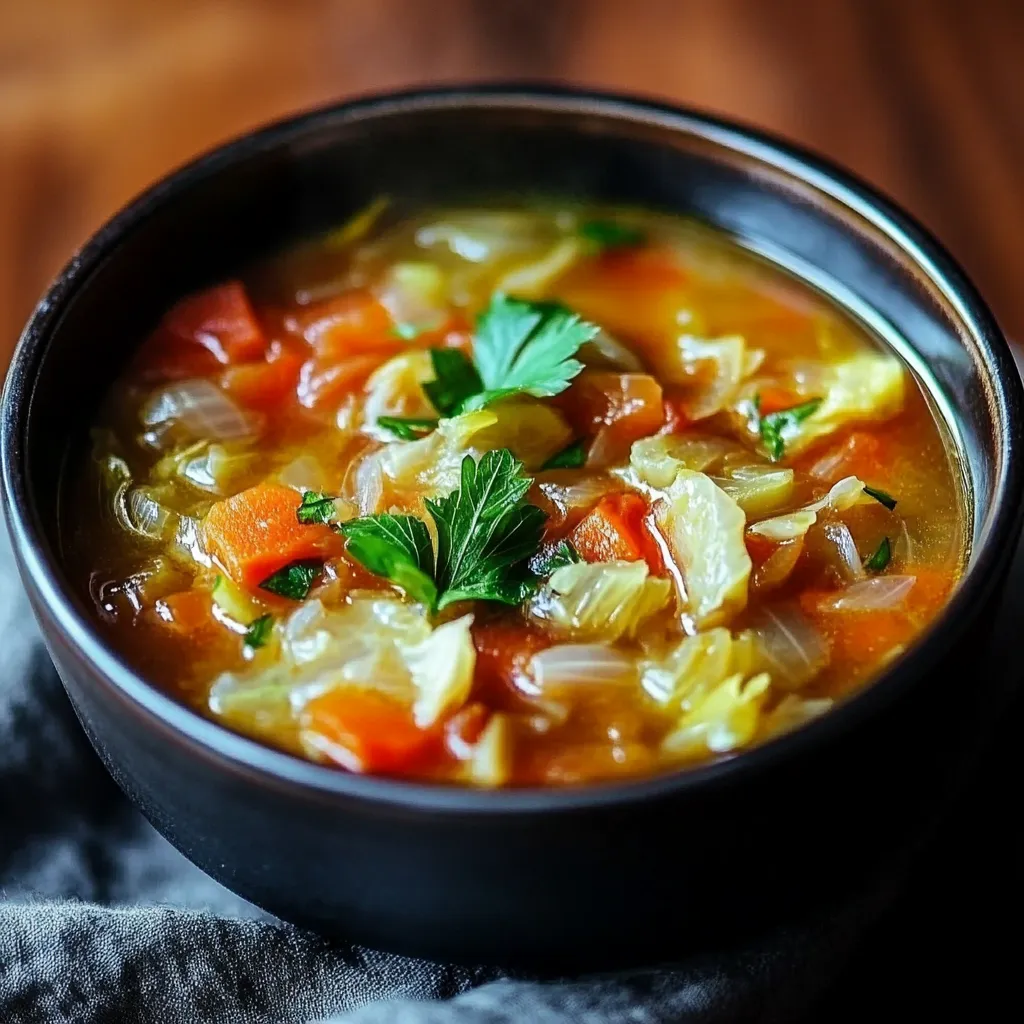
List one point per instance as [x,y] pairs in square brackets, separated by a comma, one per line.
[791,649]
[847,559]
[843,495]
[200,408]
[147,517]
[875,594]
[568,665]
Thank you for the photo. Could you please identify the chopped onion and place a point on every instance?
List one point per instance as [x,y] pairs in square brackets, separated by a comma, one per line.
[839,539]
[604,352]
[582,665]
[147,517]
[779,565]
[567,495]
[201,408]
[871,595]
[303,474]
[793,651]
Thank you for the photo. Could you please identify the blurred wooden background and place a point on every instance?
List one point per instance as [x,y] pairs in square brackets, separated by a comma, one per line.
[925,98]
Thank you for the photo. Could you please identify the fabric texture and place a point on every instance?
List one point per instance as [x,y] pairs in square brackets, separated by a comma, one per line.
[101,920]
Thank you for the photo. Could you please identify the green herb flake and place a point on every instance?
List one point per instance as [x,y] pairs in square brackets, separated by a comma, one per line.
[609,234]
[545,562]
[406,428]
[259,631]
[397,548]
[572,456]
[881,558]
[293,581]
[881,496]
[315,508]
[777,427]
[455,380]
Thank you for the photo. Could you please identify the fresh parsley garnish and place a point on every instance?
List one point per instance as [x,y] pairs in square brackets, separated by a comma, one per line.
[561,555]
[486,533]
[572,456]
[609,234]
[315,508]
[455,380]
[406,331]
[397,548]
[293,581]
[407,428]
[259,631]
[777,427]
[881,496]
[881,558]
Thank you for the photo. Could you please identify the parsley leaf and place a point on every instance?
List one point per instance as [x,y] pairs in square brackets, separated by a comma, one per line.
[293,581]
[406,428]
[561,555]
[526,348]
[881,496]
[777,427]
[456,380]
[572,456]
[259,631]
[607,234]
[880,559]
[486,532]
[315,508]
[397,548]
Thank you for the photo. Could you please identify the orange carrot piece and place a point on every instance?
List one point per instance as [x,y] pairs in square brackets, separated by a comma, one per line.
[617,529]
[222,320]
[265,385]
[187,612]
[775,399]
[256,532]
[367,731]
[325,385]
[352,324]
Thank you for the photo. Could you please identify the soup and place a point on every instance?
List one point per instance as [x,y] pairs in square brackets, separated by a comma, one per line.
[515,497]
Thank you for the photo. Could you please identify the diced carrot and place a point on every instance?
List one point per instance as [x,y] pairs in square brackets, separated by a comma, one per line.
[367,731]
[354,323]
[776,399]
[324,385]
[187,612]
[268,384]
[617,529]
[759,548]
[256,532]
[618,408]
[641,267]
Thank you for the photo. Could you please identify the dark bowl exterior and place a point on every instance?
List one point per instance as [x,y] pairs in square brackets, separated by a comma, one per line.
[599,877]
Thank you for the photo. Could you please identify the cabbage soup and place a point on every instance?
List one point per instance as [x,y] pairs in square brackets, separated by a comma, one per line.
[515,496]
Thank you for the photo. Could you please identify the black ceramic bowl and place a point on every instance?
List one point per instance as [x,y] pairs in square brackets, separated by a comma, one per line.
[599,876]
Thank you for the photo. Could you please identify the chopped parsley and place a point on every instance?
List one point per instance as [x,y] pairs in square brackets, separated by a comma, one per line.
[486,533]
[881,558]
[408,429]
[544,563]
[881,496]
[778,427]
[259,631]
[293,581]
[315,508]
[572,456]
[519,348]
[609,234]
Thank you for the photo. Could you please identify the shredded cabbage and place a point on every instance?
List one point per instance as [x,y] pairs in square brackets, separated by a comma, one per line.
[442,668]
[843,495]
[703,527]
[396,389]
[728,357]
[601,600]
[490,764]
[695,665]
[533,280]
[658,459]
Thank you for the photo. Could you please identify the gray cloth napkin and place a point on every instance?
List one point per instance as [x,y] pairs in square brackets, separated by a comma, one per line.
[102,920]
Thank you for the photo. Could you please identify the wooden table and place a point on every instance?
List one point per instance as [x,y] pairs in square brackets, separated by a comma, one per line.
[924,98]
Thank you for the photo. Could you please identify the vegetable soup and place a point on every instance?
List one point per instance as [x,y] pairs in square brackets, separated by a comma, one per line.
[515,496]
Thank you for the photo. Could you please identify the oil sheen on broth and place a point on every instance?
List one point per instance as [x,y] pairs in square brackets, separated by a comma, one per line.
[514,496]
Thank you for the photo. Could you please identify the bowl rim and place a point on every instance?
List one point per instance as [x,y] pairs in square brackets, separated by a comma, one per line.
[238,753]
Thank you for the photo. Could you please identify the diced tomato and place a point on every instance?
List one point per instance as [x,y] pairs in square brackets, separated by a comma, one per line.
[257,532]
[503,652]
[618,529]
[265,385]
[325,385]
[354,323]
[220,319]
[188,612]
[367,731]
[617,408]
[463,729]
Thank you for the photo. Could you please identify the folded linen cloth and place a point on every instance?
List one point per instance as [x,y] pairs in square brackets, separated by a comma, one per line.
[102,920]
